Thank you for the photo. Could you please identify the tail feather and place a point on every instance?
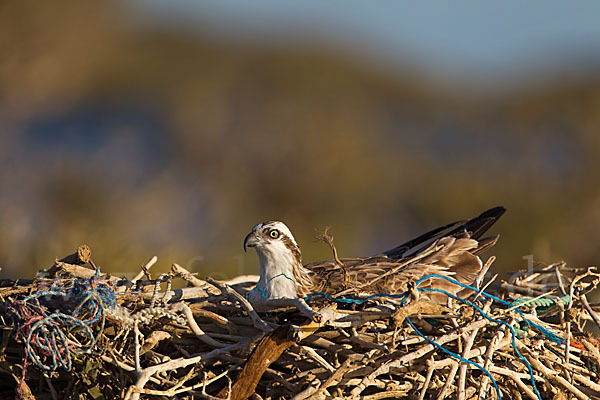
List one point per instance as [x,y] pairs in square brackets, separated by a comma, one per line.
[457,260]
[485,244]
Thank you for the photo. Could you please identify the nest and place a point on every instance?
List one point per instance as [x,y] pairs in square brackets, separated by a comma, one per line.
[75,332]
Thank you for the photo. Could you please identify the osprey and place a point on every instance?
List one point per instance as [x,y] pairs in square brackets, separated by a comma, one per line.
[451,250]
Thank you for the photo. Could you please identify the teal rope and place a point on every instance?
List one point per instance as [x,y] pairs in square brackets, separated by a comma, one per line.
[264,292]
[354,301]
[543,304]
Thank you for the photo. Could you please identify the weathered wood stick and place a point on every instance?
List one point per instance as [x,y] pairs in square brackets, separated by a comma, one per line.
[385,368]
[145,268]
[225,288]
[549,373]
[269,350]
[188,276]
[81,256]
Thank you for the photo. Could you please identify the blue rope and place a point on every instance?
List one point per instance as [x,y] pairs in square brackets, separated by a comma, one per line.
[445,350]
[486,316]
[404,296]
[550,335]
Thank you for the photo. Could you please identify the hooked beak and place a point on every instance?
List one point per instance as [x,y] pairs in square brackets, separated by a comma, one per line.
[251,240]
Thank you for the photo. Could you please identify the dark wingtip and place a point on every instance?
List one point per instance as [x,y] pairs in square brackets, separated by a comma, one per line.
[495,212]
[480,224]
[475,227]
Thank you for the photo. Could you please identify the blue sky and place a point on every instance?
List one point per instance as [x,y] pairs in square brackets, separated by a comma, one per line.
[463,38]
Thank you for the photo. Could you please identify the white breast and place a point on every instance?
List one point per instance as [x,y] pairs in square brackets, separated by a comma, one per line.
[276,274]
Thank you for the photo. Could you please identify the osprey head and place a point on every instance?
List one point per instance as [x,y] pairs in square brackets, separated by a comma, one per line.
[272,238]
[280,261]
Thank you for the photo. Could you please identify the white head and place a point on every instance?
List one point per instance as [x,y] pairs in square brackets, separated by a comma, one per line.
[281,270]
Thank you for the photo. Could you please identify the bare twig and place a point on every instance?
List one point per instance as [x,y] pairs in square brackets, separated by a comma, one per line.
[327,238]
[256,320]
[145,268]
[187,275]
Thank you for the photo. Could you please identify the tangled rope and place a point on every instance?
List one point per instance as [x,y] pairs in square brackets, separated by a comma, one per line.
[61,321]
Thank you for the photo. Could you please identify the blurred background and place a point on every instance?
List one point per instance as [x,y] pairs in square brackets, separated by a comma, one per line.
[170,128]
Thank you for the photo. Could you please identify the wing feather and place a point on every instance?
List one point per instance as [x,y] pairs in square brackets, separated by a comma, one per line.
[455,253]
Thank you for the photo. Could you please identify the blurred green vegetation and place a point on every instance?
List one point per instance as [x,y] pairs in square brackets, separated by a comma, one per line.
[139,141]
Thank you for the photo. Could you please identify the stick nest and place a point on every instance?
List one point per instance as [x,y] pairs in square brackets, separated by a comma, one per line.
[75,332]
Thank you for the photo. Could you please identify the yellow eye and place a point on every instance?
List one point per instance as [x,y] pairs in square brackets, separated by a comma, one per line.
[274,233]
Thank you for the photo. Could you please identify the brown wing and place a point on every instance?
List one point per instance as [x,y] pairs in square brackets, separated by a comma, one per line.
[389,272]
[453,257]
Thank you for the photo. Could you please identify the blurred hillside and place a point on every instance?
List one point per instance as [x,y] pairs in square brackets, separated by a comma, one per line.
[139,141]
